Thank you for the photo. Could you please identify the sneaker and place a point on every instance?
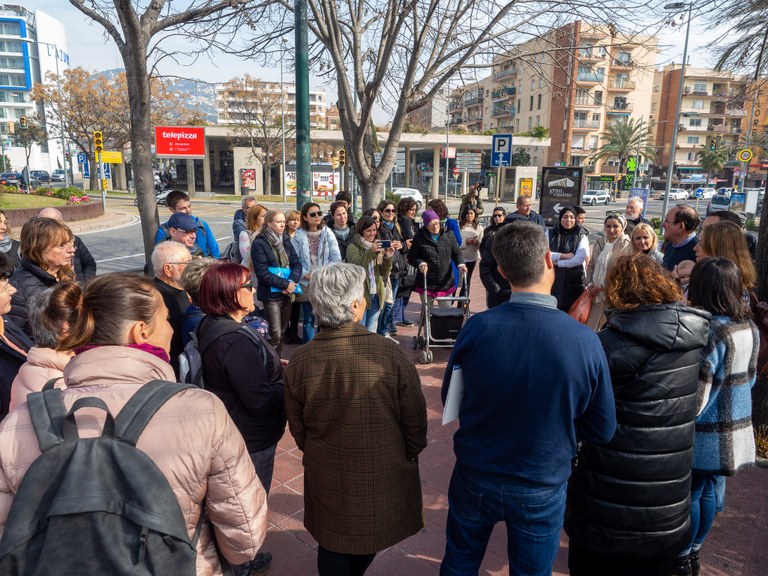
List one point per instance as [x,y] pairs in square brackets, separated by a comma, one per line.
[681,566]
[261,562]
[393,329]
[405,323]
[389,337]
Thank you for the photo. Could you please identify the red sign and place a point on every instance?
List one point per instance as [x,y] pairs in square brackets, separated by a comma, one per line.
[455,171]
[179,141]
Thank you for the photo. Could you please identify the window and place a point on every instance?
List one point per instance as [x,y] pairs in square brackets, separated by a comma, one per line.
[582,97]
[585,51]
[697,105]
[538,104]
[596,118]
[538,120]
[10,29]
[599,98]
[593,142]
[541,82]
[517,124]
[533,83]
[531,106]
[519,107]
[530,123]
[693,139]
[694,122]
[700,87]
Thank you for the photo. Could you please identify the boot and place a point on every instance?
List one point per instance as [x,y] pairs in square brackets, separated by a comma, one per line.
[695,566]
[681,566]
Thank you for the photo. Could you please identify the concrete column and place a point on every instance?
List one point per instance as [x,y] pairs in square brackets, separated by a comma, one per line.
[121,182]
[435,193]
[190,177]
[407,166]
[207,169]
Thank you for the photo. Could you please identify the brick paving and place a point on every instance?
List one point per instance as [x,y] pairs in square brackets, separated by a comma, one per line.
[737,545]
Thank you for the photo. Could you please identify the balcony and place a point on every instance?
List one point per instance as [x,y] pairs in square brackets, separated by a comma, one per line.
[719,128]
[505,73]
[621,85]
[624,108]
[497,111]
[590,77]
[474,101]
[586,124]
[591,56]
[588,103]
[622,63]
[455,106]
[503,92]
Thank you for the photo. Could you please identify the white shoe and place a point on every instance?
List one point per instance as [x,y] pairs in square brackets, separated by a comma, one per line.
[390,337]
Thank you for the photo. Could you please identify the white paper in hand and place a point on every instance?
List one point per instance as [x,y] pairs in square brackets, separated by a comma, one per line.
[454,397]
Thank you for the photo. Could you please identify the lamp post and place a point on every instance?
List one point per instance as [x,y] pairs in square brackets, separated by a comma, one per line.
[284,41]
[58,90]
[673,143]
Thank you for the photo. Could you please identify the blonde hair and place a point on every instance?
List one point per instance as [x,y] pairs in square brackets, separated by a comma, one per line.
[40,234]
[647,228]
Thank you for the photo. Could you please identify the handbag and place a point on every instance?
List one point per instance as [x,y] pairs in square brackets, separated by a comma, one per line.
[580,309]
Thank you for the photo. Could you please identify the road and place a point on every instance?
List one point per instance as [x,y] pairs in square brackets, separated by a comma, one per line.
[121,248]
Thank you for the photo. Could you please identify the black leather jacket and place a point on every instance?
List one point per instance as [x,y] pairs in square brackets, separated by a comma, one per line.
[632,496]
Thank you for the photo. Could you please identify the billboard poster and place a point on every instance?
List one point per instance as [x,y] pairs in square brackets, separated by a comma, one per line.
[526,186]
[738,202]
[179,142]
[247,179]
[560,187]
[323,183]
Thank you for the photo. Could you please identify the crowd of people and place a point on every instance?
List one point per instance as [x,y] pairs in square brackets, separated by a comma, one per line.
[630,430]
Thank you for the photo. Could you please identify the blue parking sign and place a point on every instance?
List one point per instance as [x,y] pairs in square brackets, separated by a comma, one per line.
[501,150]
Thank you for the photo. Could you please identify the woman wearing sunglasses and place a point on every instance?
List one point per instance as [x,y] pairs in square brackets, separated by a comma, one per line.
[389,230]
[316,246]
[243,370]
[606,250]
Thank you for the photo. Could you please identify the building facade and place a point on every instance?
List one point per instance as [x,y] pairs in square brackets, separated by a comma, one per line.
[32,44]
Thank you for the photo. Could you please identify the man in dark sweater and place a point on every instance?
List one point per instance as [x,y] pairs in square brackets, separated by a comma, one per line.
[535,380]
[680,225]
[169,259]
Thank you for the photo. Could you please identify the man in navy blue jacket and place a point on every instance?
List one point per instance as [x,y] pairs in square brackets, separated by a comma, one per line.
[535,381]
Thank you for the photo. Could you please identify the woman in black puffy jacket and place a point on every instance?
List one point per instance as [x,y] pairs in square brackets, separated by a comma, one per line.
[628,506]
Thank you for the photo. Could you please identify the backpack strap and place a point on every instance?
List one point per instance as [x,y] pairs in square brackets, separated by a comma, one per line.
[140,409]
[47,412]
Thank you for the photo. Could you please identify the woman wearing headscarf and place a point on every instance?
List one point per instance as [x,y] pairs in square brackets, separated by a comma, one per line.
[606,250]
[569,245]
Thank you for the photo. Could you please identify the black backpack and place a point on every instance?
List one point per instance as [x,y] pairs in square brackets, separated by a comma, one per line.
[96,505]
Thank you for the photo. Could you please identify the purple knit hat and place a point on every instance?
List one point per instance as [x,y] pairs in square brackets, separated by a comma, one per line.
[428,215]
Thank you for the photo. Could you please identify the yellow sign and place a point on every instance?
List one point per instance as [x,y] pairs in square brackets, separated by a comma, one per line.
[105,183]
[109,157]
[526,186]
[744,155]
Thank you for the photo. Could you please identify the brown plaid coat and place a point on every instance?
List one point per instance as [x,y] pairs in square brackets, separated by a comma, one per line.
[355,408]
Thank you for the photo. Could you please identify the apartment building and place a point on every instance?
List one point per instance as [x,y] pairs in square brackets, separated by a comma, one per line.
[575,81]
[712,109]
[238,102]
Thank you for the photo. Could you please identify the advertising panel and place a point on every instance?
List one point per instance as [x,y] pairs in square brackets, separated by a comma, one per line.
[179,142]
[560,187]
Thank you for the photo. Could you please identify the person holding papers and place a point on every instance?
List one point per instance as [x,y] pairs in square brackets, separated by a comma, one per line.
[519,424]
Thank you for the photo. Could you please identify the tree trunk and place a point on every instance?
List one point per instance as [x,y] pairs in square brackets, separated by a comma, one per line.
[267,179]
[135,58]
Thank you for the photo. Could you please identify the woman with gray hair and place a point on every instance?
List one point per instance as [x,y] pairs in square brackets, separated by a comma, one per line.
[191,278]
[50,323]
[361,426]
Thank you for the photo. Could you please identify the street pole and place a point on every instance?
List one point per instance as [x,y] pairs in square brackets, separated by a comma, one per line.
[103,182]
[303,161]
[284,40]
[673,143]
[447,143]
[637,158]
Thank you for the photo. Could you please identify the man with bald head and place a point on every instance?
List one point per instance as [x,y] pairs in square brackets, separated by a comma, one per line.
[83,262]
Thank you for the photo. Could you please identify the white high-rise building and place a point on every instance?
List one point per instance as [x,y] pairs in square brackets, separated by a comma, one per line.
[32,43]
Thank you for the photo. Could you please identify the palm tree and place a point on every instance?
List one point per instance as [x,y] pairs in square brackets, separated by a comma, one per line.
[625,138]
[712,161]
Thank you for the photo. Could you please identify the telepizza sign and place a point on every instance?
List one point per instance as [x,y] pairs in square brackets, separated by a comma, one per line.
[179,142]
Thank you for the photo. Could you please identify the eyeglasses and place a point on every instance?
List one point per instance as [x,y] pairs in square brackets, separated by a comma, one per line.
[389,210]
[499,215]
[181,263]
[247,286]
[315,214]
[375,218]
[613,214]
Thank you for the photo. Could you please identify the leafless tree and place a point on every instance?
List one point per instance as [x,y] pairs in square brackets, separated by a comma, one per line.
[146,32]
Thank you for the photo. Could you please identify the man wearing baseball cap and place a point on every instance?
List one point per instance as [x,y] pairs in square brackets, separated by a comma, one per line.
[183,229]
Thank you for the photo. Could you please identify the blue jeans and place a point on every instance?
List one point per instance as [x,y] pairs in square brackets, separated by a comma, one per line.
[371,317]
[398,310]
[703,504]
[533,517]
[385,319]
[308,325]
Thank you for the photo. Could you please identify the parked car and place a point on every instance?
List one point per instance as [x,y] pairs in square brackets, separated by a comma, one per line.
[718,202]
[593,197]
[10,178]
[410,193]
[678,194]
[58,175]
[42,175]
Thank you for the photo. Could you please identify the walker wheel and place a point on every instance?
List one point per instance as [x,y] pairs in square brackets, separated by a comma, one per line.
[429,357]
[424,357]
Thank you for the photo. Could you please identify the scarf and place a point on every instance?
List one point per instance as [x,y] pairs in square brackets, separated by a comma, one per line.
[277,247]
[154,350]
[5,244]
[390,225]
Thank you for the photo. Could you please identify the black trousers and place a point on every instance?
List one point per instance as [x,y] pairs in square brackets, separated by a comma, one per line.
[337,564]
[587,562]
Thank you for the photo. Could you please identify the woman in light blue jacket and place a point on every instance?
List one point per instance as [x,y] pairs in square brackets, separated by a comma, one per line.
[316,246]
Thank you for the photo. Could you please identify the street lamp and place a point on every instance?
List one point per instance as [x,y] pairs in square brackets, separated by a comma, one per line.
[283,41]
[58,89]
[673,143]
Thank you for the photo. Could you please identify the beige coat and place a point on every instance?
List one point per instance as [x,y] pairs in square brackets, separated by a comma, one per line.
[623,245]
[42,365]
[191,439]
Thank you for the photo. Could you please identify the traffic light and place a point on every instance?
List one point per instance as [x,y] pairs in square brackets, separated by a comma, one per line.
[23,123]
[98,141]
[342,157]
[334,162]
[713,143]
[66,156]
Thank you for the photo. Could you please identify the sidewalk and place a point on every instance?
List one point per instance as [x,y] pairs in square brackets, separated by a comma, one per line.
[737,545]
